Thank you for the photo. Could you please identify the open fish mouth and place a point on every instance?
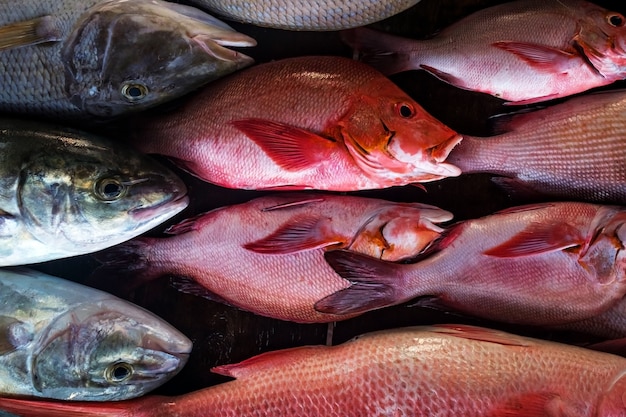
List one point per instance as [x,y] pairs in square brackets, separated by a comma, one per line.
[216,45]
[438,154]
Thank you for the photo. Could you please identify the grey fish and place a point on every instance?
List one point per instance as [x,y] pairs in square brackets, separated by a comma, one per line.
[574,150]
[77,58]
[63,340]
[67,193]
[321,15]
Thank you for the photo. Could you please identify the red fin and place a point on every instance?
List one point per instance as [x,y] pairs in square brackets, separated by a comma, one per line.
[614,346]
[539,238]
[373,284]
[300,235]
[444,76]
[185,226]
[266,360]
[481,334]
[538,56]
[517,188]
[535,404]
[43,408]
[189,286]
[512,121]
[295,203]
[290,147]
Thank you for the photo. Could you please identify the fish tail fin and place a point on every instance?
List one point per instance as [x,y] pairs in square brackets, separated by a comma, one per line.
[124,267]
[44,408]
[387,53]
[374,284]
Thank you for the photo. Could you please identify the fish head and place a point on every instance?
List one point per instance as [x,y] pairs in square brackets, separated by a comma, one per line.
[602,40]
[390,135]
[126,56]
[88,196]
[399,231]
[107,349]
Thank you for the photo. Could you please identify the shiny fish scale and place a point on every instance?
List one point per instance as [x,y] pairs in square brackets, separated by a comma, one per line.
[575,150]
[308,15]
[42,88]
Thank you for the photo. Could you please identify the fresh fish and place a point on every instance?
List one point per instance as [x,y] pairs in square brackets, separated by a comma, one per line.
[334,124]
[444,371]
[66,193]
[63,340]
[524,51]
[307,15]
[266,255]
[543,264]
[575,150]
[102,58]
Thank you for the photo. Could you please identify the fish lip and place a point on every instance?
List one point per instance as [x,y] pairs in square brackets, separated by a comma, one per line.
[177,203]
[216,47]
[439,153]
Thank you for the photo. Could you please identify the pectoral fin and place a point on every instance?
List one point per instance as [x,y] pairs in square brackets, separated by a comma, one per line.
[537,239]
[13,334]
[300,234]
[533,404]
[29,32]
[541,57]
[290,147]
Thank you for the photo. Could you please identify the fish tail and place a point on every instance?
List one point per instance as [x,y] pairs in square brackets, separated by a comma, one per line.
[42,408]
[387,53]
[124,267]
[374,284]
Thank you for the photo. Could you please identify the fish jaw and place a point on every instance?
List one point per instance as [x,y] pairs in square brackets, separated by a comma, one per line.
[81,353]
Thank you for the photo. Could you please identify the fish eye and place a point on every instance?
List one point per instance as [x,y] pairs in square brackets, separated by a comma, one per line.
[405,110]
[110,189]
[118,372]
[134,91]
[616,20]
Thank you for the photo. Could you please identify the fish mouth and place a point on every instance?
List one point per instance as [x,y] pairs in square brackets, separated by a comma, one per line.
[175,204]
[216,45]
[439,153]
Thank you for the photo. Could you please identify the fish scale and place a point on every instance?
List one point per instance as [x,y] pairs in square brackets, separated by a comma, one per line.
[307,15]
[576,149]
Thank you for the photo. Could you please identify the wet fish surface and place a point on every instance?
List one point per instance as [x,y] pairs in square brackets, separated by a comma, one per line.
[67,192]
[446,370]
[334,124]
[266,255]
[63,340]
[574,150]
[306,15]
[544,264]
[523,51]
[94,58]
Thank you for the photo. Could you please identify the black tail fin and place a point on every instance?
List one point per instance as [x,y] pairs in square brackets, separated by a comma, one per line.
[387,53]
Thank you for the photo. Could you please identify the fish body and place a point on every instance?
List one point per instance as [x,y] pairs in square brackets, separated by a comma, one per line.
[266,255]
[305,15]
[67,193]
[334,124]
[523,51]
[95,58]
[63,340]
[574,150]
[443,370]
[542,264]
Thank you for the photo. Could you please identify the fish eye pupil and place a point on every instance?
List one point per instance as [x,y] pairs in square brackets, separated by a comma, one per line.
[120,372]
[616,20]
[405,111]
[111,189]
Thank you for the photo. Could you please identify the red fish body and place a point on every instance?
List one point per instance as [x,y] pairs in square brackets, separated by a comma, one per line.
[574,150]
[267,255]
[326,123]
[523,51]
[444,371]
[543,264]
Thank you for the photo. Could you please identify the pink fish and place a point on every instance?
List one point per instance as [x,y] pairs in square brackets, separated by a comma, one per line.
[574,150]
[542,264]
[326,123]
[267,255]
[443,371]
[524,51]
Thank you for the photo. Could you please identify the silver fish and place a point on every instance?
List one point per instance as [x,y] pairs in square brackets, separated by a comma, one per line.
[63,340]
[67,193]
[106,58]
[318,15]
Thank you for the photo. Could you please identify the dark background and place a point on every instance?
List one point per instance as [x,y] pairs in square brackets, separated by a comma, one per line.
[224,335]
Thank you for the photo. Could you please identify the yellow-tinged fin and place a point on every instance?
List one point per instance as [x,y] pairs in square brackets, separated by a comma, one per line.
[29,32]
